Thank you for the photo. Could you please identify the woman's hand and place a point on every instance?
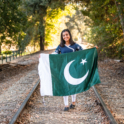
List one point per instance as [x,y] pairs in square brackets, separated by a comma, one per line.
[96,47]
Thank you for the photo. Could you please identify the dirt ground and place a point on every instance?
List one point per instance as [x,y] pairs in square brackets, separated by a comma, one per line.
[111,87]
[10,74]
[8,70]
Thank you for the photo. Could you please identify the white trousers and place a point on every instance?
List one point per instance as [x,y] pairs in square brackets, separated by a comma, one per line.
[66,99]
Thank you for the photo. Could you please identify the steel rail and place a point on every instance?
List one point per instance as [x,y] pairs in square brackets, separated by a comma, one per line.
[24,103]
[108,113]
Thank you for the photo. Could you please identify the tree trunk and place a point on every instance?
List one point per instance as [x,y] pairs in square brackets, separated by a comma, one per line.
[0,49]
[41,43]
[34,45]
[42,28]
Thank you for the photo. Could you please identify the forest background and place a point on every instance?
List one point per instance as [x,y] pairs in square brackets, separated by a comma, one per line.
[37,24]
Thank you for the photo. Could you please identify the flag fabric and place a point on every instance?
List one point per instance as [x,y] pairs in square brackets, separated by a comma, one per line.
[69,73]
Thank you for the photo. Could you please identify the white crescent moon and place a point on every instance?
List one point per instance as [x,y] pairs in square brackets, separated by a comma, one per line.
[70,79]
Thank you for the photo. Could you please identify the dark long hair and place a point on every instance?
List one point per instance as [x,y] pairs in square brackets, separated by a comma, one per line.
[62,43]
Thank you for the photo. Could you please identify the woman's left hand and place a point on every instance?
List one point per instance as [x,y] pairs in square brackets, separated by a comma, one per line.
[96,47]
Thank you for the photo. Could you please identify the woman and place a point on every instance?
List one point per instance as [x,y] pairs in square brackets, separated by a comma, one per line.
[67,45]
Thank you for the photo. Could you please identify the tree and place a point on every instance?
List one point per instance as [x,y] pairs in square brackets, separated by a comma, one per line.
[106,29]
[12,20]
[40,7]
[120,4]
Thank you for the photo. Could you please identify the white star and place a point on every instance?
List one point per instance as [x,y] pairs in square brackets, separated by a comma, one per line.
[83,61]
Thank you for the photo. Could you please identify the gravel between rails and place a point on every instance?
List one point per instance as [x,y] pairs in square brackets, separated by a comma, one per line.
[15,88]
[51,112]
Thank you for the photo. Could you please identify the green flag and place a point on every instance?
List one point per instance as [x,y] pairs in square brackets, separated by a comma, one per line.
[69,73]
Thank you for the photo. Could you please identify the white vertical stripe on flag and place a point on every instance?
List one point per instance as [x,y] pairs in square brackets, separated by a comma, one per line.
[45,75]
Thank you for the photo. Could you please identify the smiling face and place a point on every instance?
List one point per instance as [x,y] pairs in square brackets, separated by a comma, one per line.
[66,36]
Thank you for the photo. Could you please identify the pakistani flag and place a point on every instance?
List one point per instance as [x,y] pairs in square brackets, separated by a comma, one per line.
[69,73]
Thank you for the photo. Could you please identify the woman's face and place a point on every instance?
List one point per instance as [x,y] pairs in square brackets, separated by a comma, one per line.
[66,36]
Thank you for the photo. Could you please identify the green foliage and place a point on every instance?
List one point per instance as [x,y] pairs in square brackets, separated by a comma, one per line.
[2,57]
[105,27]
[12,20]
[39,9]
[21,22]
[7,52]
[36,21]
[31,30]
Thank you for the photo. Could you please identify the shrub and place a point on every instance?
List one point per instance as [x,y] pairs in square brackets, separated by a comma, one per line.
[7,52]
[3,57]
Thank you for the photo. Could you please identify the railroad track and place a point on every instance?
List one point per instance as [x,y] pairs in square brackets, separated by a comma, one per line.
[102,104]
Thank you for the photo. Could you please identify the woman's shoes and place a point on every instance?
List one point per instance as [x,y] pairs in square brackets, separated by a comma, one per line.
[66,109]
[72,106]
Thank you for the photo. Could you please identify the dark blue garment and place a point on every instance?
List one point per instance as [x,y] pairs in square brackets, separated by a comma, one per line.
[68,49]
